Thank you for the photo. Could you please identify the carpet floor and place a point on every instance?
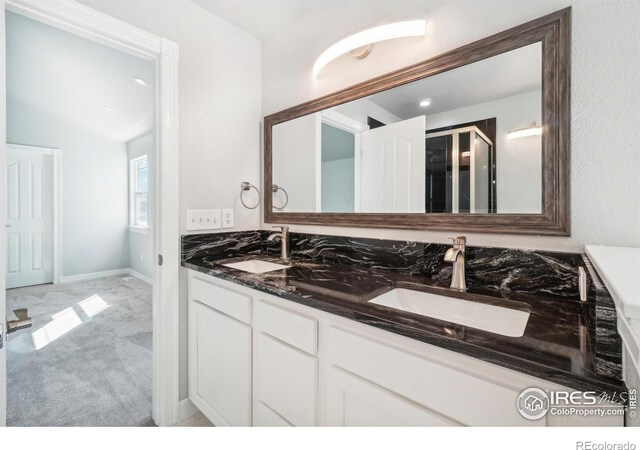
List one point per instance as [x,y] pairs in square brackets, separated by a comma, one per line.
[87,359]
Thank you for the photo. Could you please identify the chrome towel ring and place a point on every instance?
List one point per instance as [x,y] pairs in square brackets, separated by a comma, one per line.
[246,186]
[275,188]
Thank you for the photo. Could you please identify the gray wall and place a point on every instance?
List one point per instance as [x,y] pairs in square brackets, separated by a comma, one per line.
[141,244]
[93,190]
[338,185]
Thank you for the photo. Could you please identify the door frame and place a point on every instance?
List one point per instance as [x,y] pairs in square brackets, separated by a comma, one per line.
[55,154]
[99,27]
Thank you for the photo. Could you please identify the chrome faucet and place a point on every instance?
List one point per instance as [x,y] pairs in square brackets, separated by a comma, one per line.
[456,255]
[285,252]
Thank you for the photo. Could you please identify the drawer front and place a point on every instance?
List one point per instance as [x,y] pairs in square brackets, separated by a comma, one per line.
[445,390]
[354,402]
[288,326]
[285,380]
[227,301]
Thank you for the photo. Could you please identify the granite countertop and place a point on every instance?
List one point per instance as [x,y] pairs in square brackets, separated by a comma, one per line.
[563,341]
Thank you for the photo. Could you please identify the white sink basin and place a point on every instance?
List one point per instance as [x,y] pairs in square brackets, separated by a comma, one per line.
[495,319]
[256,266]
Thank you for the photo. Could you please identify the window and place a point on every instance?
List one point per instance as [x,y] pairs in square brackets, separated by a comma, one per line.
[139,192]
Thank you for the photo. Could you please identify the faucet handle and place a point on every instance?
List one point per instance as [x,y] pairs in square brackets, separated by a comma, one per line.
[283,228]
[459,240]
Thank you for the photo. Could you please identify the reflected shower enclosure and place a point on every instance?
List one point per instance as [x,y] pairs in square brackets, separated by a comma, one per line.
[460,172]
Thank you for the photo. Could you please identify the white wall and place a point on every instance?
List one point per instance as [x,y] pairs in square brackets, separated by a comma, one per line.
[361,109]
[220,112]
[141,244]
[605,187]
[519,161]
[93,189]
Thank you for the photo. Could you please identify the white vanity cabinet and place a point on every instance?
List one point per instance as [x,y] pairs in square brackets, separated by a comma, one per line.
[219,351]
[257,359]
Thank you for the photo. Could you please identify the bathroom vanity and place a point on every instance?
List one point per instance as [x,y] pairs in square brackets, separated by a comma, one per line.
[307,329]
[321,341]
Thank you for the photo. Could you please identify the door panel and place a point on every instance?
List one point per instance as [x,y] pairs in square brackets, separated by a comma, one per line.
[29,217]
[13,190]
[220,366]
[392,168]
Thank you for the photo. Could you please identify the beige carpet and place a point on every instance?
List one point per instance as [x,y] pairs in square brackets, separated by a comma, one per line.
[86,361]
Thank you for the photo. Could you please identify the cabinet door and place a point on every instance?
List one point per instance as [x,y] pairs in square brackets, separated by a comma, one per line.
[219,366]
[355,402]
[285,381]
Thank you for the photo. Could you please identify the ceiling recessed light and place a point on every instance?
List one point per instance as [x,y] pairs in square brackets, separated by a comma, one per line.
[107,108]
[140,81]
[426,102]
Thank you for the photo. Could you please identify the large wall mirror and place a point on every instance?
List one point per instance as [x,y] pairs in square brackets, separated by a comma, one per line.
[473,140]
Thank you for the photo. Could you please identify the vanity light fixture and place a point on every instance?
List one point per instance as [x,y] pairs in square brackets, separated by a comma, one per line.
[533,130]
[367,37]
[140,81]
[426,102]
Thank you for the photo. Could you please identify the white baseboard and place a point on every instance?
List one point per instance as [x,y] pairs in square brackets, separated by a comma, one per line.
[93,275]
[186,409]
[139,276]
[104,274]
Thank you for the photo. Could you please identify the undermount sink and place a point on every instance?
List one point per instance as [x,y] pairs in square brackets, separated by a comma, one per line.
[492,318]
[256,266]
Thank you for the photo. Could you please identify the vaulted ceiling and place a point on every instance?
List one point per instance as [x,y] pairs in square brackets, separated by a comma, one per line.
[81,82]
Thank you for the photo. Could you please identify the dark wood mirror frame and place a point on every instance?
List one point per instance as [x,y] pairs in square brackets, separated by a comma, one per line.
[554,31]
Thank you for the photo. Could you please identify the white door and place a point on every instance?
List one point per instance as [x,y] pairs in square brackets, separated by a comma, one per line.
[392,168]
[29,212]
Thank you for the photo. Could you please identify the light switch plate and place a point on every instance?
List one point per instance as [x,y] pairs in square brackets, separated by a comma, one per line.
[203,219]
[216,218]
[227,218]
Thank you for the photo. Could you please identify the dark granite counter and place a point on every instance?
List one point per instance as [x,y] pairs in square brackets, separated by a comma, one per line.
[566,341]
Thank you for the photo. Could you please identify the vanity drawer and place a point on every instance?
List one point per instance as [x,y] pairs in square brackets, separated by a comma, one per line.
[227,301]
[291,327]
[285,380]
[448,391]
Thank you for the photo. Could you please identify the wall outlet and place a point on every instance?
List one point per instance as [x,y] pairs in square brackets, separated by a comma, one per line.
[203,219]
[227,218]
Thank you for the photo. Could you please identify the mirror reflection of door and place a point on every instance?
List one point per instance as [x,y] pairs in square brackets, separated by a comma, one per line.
[392,168]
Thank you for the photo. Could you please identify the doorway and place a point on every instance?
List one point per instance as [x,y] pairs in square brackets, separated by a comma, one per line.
[93,320]
[163,55]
